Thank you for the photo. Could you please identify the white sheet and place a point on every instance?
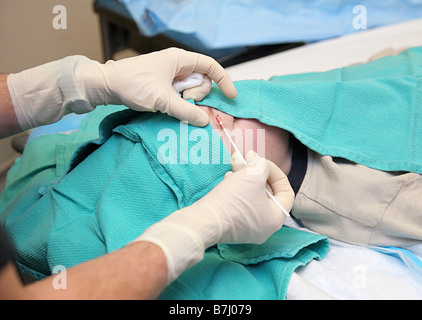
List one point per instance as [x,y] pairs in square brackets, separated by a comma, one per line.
[348,271]
[333,53]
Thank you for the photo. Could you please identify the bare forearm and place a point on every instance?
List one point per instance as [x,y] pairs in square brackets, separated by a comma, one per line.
[9,124]
[137,271]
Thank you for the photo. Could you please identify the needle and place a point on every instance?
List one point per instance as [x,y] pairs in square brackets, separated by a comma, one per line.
[227,133]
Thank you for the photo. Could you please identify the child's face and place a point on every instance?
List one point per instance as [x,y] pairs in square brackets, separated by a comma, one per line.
[268,141]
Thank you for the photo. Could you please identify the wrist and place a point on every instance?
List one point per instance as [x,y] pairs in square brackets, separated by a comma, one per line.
[182,248]
[202,221]
[183,237]
[44,94]
[90,77]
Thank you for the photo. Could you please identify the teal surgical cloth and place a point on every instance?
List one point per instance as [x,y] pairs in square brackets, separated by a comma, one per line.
[219,24]
[370,113]
[116,187]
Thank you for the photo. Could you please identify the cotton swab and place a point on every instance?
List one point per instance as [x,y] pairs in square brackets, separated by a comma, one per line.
[227,133]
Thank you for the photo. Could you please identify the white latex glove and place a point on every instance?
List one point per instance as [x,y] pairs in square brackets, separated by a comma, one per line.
[42,95]
[237,210]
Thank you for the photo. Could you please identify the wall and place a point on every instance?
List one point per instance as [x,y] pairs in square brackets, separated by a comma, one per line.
[28,38]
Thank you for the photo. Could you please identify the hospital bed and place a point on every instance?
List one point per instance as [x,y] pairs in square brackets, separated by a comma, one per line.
[348,271]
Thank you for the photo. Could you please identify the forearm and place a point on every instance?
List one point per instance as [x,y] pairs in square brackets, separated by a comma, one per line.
[9,124]
[137,271]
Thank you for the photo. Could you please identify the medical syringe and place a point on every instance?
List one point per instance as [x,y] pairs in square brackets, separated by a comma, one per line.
[227,133]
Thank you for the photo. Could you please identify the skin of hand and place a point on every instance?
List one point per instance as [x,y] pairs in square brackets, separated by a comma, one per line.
[136,271]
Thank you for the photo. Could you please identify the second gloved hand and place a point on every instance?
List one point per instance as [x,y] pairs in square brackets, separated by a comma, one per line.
[144,82]
[237,210]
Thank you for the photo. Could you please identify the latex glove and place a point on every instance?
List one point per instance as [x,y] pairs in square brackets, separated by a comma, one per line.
[42,95]
[237,210]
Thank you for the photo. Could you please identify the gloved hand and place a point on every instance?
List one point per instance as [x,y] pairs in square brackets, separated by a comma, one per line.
[237,210]
[42,95]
